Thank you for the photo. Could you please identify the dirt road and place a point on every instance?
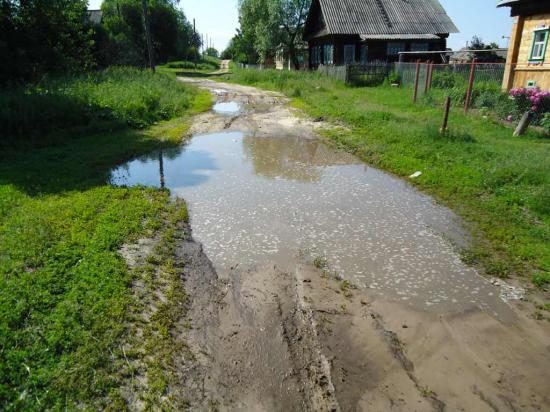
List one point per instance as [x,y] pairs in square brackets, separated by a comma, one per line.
[290,334]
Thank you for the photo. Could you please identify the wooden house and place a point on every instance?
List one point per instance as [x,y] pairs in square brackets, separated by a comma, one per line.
[528,62]
[361,31]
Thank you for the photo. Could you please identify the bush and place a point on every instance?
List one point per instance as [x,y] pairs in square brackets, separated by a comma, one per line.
[204,64]
[125,96]
[541,280]
[532,100]
[446,79]
[545,123]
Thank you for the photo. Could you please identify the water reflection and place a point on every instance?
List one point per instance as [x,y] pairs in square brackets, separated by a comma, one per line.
[227,108]
[290,158]
[257,200]
[178,167]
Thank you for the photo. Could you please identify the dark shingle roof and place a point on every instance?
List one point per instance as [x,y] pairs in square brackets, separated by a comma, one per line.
[386,17]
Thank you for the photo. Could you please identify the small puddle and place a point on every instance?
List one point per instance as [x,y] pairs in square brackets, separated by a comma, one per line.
[227,108]
[255,200]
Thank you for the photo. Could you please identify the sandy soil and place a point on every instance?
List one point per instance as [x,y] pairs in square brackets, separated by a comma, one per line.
[264,339]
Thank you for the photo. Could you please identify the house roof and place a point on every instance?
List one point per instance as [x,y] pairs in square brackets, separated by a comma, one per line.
[505,3]
[375,17]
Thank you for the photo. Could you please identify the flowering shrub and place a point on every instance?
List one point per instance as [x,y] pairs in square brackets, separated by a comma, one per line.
[534,100]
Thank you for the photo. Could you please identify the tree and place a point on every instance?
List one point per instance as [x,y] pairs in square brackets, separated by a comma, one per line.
[477,43]
[172,35]
[212,52]
[43,36]
[271,23]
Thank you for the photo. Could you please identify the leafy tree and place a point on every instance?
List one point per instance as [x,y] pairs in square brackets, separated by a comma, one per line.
[241,49]
[270,23]
[43,36]
[477,43]
[123,22]
[212,52]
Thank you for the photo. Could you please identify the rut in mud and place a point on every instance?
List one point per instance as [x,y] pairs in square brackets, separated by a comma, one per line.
[327,285]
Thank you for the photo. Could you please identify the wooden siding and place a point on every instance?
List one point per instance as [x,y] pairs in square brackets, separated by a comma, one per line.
[520,71]
[377,49]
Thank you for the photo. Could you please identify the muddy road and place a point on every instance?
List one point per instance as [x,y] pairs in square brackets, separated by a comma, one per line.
[317,283]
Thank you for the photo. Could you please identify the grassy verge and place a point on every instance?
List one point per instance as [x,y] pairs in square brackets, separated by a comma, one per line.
[119,97]
[498,183]
[64,289]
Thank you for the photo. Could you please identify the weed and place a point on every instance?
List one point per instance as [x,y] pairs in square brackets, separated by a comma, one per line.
[320,262]
[426,392]
[541,280]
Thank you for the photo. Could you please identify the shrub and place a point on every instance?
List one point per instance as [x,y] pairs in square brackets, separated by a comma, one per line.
[545,123]
[533,100]
[541,280]
[446,79]
[125,96]
[394,78]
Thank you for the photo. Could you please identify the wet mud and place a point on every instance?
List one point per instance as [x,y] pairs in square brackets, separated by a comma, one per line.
[318,283]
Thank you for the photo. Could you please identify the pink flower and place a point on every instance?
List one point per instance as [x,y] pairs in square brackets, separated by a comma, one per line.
[510,118]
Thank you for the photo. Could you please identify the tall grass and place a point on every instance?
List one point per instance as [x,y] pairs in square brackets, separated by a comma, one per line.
[116,96]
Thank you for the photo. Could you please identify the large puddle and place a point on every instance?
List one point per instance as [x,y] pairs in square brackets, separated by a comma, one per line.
[256,200]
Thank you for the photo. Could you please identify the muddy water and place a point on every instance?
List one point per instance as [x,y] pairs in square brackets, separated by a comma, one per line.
[255,200]
[227,108]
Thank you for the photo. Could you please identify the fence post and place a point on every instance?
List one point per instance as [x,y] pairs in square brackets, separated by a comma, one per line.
[446,115]
[426,83]
[470,86]
[416,79]
[431,76]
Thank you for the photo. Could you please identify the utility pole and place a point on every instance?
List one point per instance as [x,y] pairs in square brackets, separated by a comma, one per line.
[195,41]
[148,35]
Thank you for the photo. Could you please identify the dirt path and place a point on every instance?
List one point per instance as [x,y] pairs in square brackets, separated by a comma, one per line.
[296,338]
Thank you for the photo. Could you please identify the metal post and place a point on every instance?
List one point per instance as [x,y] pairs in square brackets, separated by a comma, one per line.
[426,83]
[446,115]
[195,41]
[416,79]
[431,76]
[148,34]
[470,86]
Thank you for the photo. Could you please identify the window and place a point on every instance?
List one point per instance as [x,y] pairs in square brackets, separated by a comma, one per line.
[420,47]
[316,54]
[540,41]
[349,53]
[328,56]
[395,48]
[364,54]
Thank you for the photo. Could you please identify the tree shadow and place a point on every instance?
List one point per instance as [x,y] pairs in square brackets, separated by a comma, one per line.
[78,164]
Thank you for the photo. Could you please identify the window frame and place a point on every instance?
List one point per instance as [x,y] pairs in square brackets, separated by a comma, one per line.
[544,43]
[328,55]
[420,46]
[350,47]
[364,53]
[394,44]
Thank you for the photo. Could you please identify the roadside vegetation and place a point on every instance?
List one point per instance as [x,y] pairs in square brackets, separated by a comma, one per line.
[498,183]
[64,288]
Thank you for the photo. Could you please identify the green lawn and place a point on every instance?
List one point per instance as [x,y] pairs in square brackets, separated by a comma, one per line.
[499,184]
[64,289]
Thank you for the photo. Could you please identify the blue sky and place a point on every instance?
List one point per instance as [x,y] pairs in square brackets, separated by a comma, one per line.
[219,19]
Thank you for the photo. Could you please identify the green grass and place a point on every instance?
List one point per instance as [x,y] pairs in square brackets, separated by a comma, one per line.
[94,102]
[64,289]
[498,183]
